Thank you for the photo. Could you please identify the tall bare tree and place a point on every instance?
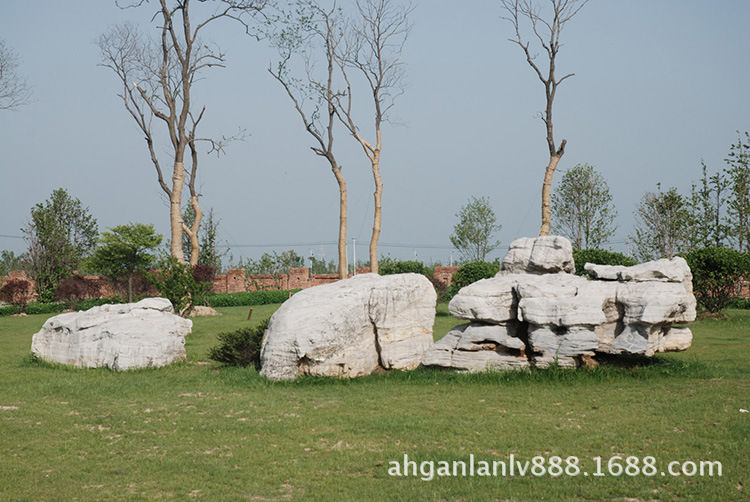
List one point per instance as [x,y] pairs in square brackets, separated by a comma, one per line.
[157,77]
[374,47]
[546,30]
[14,90]
[308,32]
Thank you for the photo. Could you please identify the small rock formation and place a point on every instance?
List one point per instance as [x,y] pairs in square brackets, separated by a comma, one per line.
[554,316]
[351,328]
[201,310]
[120,336]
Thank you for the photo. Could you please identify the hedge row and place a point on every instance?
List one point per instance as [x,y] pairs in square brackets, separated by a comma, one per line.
[249,298]
[56,307]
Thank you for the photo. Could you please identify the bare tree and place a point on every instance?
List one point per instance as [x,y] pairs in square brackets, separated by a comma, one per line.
[157,77]
[374,46]
[547,32]
[311,31]
[14,90]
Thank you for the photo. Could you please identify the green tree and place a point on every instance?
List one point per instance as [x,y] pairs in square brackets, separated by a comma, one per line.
[8,262]
[61,235]
[175,281]
[582,208]
[663,225]
[124,251]
[273,264]
[706,203]
[473,233]
[208,236]
[717,275]
[738,204]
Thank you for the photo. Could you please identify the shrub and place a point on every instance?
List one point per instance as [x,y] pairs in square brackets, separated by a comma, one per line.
[250,298]
[470,273]
[96,302]
[241,347]
[600,257]
[75,288]
[45,308]
[17,292]
[717,275]
[175,282]
[204,274]
[388,266]
[440,288]
[739,303]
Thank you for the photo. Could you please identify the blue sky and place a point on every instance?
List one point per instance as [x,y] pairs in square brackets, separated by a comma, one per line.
[658,86]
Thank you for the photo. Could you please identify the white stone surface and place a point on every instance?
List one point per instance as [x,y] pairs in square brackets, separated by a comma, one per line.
[120,336]
[563,311]
[488,300]
[665,270]
[351,327]
[478,347]
[655,302]
[562,345]
[542,255]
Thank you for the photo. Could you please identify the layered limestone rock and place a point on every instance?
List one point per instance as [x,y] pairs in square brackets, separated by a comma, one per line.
[122,336]
[479,347]
[351,328]
[565,319]
[543,255]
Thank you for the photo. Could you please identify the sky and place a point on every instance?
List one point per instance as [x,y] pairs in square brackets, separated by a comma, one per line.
[659,86]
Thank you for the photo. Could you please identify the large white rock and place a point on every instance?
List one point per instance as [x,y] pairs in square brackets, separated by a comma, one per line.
[568,318]
[665,270]
[542,255]
[656,302]
[479,347]
[563,311]
[488,300]
[351,327]
[122,336]
[561,346]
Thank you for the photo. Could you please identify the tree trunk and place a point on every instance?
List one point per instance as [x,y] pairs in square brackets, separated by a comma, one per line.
[546,195]
[130,287]
[378,214]
[175,211]
[343,269]
[193,233]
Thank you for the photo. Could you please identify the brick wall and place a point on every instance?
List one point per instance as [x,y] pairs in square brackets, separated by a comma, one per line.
[236,280]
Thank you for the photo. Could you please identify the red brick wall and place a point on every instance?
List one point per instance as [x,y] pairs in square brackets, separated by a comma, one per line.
[236,280]
[444,275]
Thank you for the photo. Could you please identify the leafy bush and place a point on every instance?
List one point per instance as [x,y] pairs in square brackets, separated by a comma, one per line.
[600,257]
[241,347]
[250,298]
[175,282]
[440,288]
[75,288]
[389,266]
[717,275]
[17,292]
[739,303]
[57,307]
[96,302]
[470,273]
[45,308]
[204,274]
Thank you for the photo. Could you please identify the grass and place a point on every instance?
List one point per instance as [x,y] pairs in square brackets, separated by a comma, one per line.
[199,431]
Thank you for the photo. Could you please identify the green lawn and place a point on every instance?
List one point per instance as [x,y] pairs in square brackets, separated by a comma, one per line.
[199,431]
